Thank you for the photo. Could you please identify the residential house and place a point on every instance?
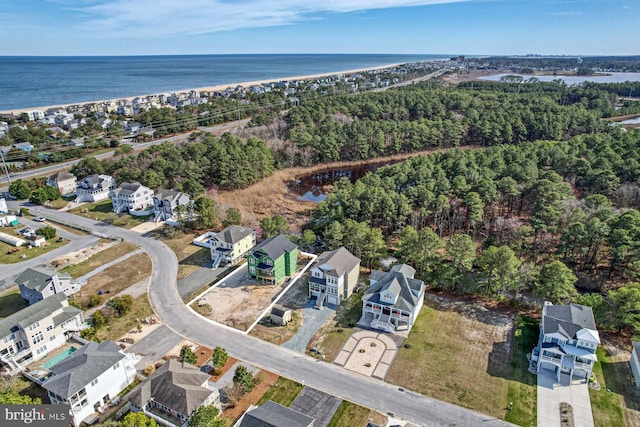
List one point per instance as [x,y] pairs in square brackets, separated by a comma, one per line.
[334,277]
[635,362]
[64,181]
[272,414]
[35,114]
[165,202]
[273,260]
[33,332]
[231,244]
[89,378]
[393,300]
[36,241]
[24,146]
[38,283]
[568,341]
[77,142]
[94,188]
[280,315]
[173,392]
[130,197]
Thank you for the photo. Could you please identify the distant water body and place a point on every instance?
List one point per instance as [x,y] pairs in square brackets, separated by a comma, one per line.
[28,82]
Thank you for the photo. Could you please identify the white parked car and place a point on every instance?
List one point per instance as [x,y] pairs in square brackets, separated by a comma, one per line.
[39,219]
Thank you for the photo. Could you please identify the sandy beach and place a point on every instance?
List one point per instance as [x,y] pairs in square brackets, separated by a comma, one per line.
[207,89]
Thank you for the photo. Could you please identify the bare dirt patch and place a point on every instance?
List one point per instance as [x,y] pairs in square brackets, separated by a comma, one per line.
[266,380]
[77,257]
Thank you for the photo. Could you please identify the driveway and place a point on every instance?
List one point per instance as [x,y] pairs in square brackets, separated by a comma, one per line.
[196,280]
[313,321]
[550,394]
[316,404]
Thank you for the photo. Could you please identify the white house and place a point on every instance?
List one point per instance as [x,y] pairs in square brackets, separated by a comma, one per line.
[173,392]
[33,332]
[393,300]
[231,244]
[635,362]
[334,277]
[568,341]
[129,197]
[38,283]
[94,188]
[165,202]
[65,182]
[89,378]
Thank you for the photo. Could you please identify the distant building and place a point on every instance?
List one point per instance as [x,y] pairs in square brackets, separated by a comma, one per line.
[393,299]
[64,181]
[94,188]
[273,260]
[89,378]
[130,197]
[24,146]
[35,331]
[231,244]
[334,277]
[38,283]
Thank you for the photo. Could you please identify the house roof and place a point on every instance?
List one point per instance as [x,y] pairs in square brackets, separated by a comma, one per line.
[279,310]
[400,282]
[82,366]
[38,278]
[35,312]
[170,195]
[569,320]
[233,234]
[337,262]
[275,247]
[176,385]
[272,414]
[61,176]
[97,180]
[127,188]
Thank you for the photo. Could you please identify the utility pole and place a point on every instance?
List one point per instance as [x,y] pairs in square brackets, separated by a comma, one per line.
[4,165]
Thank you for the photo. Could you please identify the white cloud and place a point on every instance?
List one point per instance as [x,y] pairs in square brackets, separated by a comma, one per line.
[158,18]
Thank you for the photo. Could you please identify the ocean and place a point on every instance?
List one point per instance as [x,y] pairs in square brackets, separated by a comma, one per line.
[30,82]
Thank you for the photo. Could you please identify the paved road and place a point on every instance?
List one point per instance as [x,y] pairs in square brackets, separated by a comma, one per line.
[325,377]
[313,320]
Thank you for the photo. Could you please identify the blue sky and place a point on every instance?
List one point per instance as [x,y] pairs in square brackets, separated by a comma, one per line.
[483,27]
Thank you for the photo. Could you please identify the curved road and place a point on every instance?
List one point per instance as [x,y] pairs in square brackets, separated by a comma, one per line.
[366,391]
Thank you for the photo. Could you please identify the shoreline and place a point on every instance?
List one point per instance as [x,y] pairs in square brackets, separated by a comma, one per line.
[16,111]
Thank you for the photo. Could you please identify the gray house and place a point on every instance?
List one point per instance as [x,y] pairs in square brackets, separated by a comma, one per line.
[94,188]
[38,283]
[165,202]
[334,277]
[393,300]
[272,414]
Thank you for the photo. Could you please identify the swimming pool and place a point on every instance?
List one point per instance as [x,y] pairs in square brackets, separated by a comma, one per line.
[59,358]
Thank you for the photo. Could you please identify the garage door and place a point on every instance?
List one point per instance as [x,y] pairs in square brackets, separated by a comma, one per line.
[332,300]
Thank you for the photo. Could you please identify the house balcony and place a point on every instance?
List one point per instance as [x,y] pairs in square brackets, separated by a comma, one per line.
[163,417]
[554,360]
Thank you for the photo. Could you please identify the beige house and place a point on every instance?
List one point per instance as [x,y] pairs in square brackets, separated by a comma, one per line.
[334,277]
[38,283]
[173,392]
[231,244]
[33,332]
[64,181]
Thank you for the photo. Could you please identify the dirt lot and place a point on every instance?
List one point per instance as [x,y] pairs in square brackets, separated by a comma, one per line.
[73,258]
[266,379]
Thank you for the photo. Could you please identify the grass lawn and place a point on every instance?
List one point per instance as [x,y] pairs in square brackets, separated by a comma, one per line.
[101,258]
[11,302]
[473,360]
[350,415]
[119,326]
[607,405]
[103,211]
[276,334]
[284,391]
[7,256]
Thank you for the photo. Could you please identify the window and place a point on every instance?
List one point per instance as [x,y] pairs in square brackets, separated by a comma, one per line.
[252,269]
[116,366]
[37,338]
[52,337]
[94,382]
[35,325]
[49,328]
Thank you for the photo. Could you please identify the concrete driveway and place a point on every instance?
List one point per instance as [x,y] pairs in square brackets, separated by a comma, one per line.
[550,394]
[369,353]
[313,321]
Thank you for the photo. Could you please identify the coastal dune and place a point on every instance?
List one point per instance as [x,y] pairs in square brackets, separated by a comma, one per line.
[219,87]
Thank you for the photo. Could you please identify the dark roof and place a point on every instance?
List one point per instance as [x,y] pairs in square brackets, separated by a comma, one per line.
[275,247]
[35,312]
[127,188]
[176,385]
[233,234]
[61,176]
[568,319]
[81,367]
[279,310]
[400,282]
[337,262]
[97,181]
[38,278]
[272,414]
[170,195]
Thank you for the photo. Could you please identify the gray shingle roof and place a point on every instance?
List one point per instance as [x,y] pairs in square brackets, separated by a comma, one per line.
[176,385]
[275,247]
[35,312]
[233,234]
[568,319]
[338,261]
[400,282]
[127,188]
[81,367]
[272,414]
[38,278]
